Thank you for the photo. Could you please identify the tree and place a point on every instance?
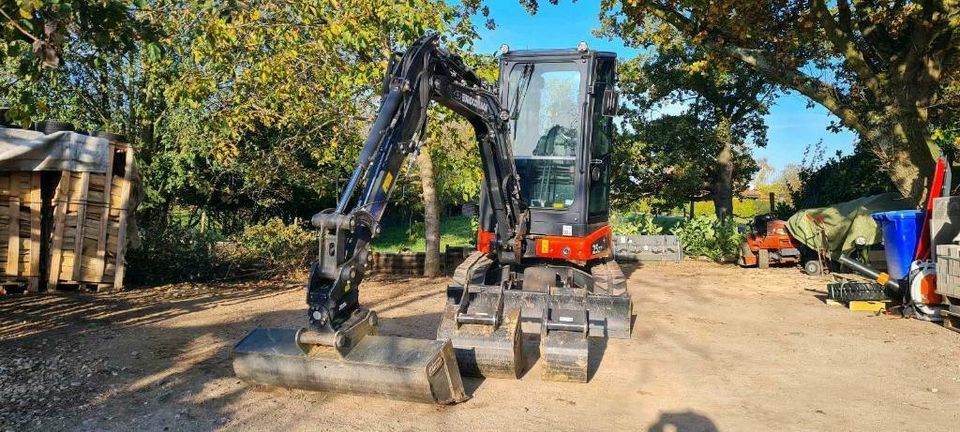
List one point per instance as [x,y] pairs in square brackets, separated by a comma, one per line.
[764,173]
[242,110]
[880,67]
[824,181]
[48,47]
[723,117]
[768,179]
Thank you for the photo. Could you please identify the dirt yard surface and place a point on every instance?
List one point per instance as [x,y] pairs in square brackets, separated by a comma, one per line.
[713,348]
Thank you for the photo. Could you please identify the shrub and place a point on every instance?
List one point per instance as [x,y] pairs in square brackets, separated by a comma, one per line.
[635,224]
[705,236]
[275,244]
[173,253]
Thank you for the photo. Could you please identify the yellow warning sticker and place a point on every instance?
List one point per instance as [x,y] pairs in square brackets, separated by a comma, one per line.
[544,246]
[387,181]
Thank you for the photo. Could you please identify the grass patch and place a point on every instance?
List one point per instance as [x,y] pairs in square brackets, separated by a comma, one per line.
[455,231]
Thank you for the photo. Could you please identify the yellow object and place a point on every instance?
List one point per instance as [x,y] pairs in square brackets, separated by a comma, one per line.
[387,181]
[867,306]
[544,246]
[882,278]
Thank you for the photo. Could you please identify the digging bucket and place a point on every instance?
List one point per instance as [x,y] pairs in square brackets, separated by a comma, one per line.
[387,366]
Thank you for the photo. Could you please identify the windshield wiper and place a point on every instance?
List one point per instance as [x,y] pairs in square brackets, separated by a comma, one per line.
[523,84]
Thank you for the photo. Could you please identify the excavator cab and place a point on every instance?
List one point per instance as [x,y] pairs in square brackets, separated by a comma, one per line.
[560,106]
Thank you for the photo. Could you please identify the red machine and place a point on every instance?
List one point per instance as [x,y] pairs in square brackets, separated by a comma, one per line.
[769,242]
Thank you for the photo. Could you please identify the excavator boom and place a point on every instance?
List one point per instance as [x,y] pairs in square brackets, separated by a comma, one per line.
[345,354]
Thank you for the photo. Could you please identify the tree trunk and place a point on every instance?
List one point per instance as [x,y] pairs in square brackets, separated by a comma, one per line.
[431,214]
[723,178]
[901,144]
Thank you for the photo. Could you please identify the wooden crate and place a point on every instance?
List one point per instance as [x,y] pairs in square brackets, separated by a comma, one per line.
[90,217]
[20,213]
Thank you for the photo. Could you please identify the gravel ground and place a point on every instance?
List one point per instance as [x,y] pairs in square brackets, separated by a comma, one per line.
[714,347]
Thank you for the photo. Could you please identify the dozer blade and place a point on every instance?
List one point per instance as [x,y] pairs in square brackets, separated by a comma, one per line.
[484,350]
[394,367]
[610,316]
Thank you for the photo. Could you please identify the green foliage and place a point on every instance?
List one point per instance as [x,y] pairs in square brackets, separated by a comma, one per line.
[415,231]
[675,157]
[248,109]
[635,224]
[838,179]
[36,35]
[277,245]
[865,62]
[174,253]
[704,236]
[455,231]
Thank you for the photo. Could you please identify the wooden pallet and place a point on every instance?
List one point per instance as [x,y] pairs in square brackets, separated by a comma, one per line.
[951,313]
[20,219]
[91,212]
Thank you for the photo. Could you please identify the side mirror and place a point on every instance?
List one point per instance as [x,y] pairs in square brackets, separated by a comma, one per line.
[611,102]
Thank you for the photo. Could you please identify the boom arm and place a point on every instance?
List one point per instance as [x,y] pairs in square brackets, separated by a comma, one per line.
[425,72]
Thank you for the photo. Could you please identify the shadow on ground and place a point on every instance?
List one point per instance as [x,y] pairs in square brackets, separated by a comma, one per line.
[686,421]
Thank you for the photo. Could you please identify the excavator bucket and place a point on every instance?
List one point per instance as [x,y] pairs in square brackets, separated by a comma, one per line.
[484,350]
[565,356]
[564,343]
[393,367]
[565,319]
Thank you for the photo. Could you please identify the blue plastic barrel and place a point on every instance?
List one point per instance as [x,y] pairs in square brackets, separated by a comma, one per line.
[901,231]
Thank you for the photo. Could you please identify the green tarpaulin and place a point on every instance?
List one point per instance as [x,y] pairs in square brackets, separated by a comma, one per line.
[844,222]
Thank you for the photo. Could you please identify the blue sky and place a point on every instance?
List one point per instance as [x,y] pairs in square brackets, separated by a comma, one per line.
[792,126]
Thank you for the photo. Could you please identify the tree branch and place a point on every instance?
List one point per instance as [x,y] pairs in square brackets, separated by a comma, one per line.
[19,28]
[815,89]
[822,93]
[843,42]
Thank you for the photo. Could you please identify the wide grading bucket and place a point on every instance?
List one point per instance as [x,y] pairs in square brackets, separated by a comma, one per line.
[394,367]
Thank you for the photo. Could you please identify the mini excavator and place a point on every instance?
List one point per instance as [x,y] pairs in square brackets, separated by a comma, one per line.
[544,263]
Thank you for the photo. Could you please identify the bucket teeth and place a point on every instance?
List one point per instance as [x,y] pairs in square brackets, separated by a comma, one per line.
[485,350]
[394,367]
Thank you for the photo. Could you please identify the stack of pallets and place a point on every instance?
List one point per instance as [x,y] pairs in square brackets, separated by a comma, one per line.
[90,217]
[20,224]
[948,283]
